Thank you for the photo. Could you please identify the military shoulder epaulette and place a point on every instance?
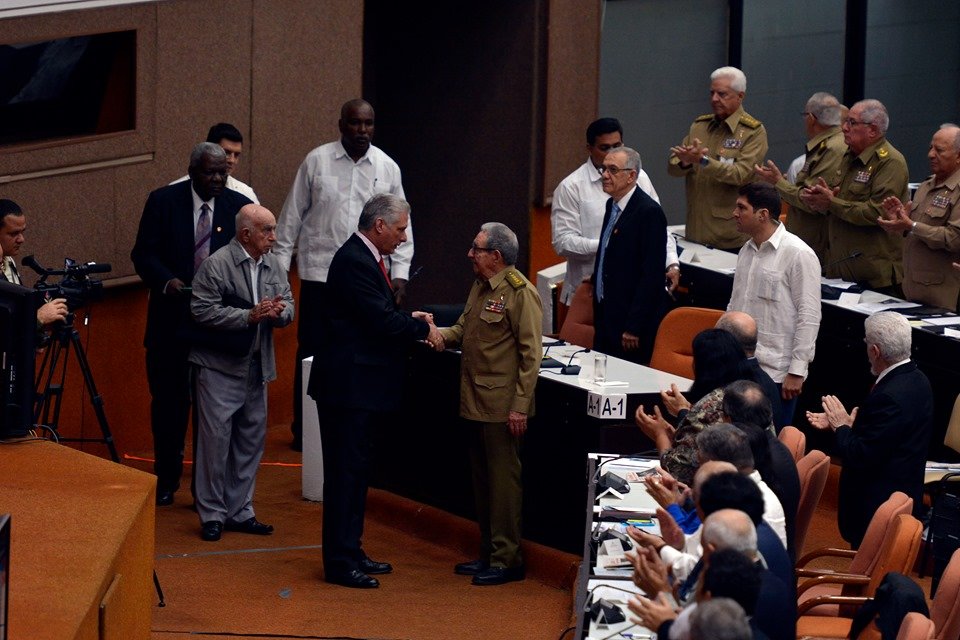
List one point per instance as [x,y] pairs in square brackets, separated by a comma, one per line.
[515,280]
[704,117]
[750,121]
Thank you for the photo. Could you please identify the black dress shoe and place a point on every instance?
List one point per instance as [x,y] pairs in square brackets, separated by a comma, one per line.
[499,575]
[374,568]
[164,498]
[471,568]
[355,579]
[252,525]
[211,530]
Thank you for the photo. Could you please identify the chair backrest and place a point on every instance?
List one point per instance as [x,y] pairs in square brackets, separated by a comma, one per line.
[952,437]
[869,552]
[916,626]
[795,440]
[899,550]
[945,610]
[578,325]
[813,470]
[673,347]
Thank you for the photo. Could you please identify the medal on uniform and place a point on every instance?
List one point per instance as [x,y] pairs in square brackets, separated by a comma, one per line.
[863,177]
[732,143]
[494,306]
[940,202]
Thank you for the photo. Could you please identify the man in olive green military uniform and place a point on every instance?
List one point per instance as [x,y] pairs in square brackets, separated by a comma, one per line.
[930,226]
[717,157]
[871,171]
[824,153]
[499,336]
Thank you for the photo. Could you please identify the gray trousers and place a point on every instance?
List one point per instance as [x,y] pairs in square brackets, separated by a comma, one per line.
[233,428]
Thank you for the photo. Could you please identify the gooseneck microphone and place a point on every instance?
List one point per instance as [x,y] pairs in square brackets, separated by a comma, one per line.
[571,369]
[852,256]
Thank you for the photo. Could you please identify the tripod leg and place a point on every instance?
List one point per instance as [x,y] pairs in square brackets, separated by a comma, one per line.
[156,585]
[95,398]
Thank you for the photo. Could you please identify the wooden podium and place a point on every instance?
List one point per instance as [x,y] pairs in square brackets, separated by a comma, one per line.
[81,558]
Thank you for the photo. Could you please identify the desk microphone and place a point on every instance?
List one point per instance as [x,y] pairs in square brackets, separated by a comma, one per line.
[571,369]
[852,256]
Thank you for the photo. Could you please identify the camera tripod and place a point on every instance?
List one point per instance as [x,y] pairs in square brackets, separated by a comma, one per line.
[49,396]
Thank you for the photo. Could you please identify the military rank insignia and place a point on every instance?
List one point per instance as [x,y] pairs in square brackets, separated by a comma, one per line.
[494,306]
[862,177]
[941,202]
[882,152]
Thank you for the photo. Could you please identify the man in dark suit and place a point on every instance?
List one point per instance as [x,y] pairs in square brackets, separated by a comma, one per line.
[744,328]
[181,225]
[356,379]
[630,297]
[883,445]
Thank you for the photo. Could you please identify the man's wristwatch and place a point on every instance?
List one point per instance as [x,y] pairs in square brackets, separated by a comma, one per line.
[704,161]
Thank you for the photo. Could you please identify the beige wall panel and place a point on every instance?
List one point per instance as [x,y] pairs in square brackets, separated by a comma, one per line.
[67,216]
[307,61]
[573,72]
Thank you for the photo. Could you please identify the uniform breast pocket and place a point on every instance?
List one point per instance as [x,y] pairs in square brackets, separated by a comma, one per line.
[492,326]
[768,285]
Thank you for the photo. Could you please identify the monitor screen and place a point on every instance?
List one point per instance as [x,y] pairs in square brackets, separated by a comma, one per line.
[18,329]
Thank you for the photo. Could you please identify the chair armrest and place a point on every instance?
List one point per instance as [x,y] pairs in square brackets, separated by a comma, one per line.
[833,578]
[805,606]
[825,552]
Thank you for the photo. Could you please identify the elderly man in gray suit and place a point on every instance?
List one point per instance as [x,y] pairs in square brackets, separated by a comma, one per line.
[240,294]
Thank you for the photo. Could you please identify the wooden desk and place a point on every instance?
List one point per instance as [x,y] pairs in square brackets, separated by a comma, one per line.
[82,534]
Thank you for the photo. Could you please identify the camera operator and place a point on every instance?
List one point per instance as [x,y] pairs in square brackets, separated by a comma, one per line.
[13,224]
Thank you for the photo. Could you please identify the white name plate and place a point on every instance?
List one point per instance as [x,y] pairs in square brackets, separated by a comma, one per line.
[606,406]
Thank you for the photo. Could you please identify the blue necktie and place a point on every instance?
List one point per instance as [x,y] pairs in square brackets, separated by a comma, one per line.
[614,216]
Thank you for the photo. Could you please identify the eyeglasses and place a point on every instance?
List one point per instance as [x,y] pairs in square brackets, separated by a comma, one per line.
[475,248]
[851,122]
[608,147]
[612,169]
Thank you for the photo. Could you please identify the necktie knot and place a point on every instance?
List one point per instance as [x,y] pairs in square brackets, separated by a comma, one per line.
[201,247]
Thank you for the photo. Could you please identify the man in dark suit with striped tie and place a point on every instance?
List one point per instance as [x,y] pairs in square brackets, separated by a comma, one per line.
[13,226]
[182,224]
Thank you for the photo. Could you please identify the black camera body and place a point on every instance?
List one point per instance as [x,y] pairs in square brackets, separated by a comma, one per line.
[75,286]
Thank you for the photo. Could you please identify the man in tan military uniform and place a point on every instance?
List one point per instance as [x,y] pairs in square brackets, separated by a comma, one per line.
[871,170]
[932,227]
[499,336]
[824,153]
[716,158]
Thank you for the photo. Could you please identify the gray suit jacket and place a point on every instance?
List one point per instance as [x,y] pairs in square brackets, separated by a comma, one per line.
[225,277]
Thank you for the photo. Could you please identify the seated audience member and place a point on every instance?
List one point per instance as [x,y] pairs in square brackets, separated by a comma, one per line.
[744,328]
[675,498]
[718,360]
[727,443]
[720,619]
[884,444]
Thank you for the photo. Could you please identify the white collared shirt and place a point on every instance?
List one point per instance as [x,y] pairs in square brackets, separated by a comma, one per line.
[889,369]
[197,205]
[233,184]
[576,218]
[254,275]
[324,204]
[778,284]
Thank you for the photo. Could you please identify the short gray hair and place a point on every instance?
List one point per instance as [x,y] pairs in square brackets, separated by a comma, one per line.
[891,332]
[725,442]
[873,112]
[730,529]
[211,149]
[385,206]
[719,619]
[501,238]
[633,158]
[825,108]
[956,139]
[738,80]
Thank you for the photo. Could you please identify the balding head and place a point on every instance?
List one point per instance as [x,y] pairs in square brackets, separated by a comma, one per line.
[256,229]
[743,327]
[729,529]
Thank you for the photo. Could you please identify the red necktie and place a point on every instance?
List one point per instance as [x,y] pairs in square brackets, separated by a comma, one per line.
[383,269]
